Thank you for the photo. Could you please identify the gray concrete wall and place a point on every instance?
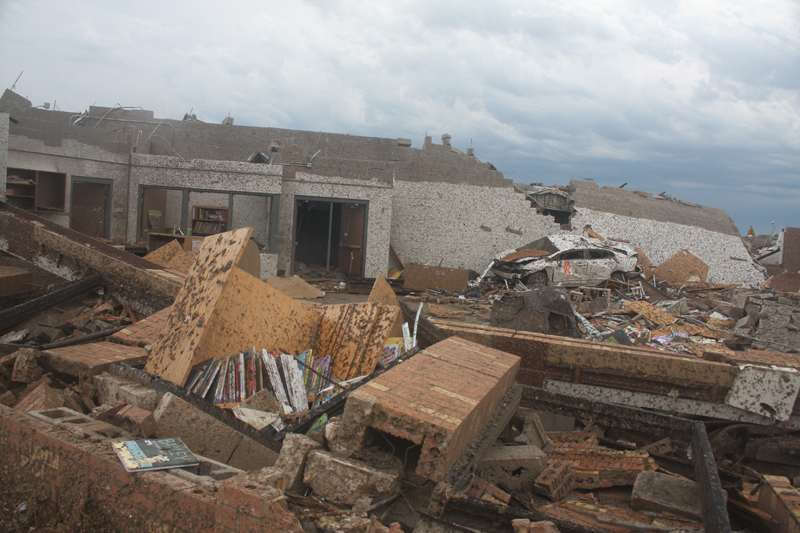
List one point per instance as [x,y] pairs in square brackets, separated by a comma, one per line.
[377,193]
[442,223]
[252,211]
[661,240]
[640,204]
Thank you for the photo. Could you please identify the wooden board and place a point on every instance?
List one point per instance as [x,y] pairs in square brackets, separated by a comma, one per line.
[182,261]
[162,255]
[354,336]
[251,313]
[422,277]
[643,261]
[383,294]
[651,312]
[221,310]
[250,261]
[680,267]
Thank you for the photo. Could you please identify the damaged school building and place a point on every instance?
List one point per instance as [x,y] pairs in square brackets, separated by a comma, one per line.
[337,333]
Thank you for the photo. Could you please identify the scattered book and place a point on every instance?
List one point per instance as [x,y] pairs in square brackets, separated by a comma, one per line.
[154,454]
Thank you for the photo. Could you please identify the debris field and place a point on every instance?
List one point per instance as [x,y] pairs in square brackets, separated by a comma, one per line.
[438,400]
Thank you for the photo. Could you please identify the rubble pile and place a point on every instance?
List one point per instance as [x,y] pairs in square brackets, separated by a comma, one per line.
[367,417]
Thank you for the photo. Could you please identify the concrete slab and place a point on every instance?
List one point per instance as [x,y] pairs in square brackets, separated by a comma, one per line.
[344,481]
[664,493]
[512,467]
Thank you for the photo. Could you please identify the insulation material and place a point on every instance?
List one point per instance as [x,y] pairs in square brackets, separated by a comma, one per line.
[680,268]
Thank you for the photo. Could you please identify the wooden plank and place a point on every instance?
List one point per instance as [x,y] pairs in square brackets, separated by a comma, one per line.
[162,255]
[382,293]
[21,312]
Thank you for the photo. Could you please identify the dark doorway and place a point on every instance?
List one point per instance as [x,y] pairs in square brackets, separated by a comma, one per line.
[90,209]
[330,234]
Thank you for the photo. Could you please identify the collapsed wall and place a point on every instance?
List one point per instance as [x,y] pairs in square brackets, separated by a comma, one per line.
[460,225]
[727,258]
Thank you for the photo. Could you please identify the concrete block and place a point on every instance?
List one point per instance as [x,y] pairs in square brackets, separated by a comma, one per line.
[137,421]
[664,493]
[139,396]
[533,432]
[202,434]
[112,388]
[514,468]
[250,455]
[344,481]
[292,459]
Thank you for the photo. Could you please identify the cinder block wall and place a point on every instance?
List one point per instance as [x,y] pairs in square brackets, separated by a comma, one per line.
[72,472]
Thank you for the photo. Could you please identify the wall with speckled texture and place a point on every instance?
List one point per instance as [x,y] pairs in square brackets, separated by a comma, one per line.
[441,222]
[379,214]
[75,158]
[4,117]
[661,240]
[198,174]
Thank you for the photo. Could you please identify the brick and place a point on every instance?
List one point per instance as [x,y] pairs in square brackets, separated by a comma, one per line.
[137,421]
[42,397]
[556,480]
[514,468]
[26,366]
[344,481]
[438,399]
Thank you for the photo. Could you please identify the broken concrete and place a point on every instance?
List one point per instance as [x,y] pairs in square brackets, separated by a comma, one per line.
[208,436]
[292,459]
[344,481]
[664,493]
[112,388]
[515,468]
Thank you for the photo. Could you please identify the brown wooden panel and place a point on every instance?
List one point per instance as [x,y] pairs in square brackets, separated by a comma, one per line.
[382,293]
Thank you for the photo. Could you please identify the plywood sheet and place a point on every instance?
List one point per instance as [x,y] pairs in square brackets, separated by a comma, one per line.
[383,294]
[162,256]
[354,336]
[172,355]
[250,261]
[422,277]
[182,261]
[680,267]
[524,253]
[251,313]
[294,287]
[651,312]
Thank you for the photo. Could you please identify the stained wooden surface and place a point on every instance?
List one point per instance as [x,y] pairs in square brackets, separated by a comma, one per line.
[354,336]
[172,355]
[382,293]
[251,313]
[651,312]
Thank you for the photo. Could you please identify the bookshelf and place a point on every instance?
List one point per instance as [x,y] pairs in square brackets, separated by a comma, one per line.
[209,220]
[36,190]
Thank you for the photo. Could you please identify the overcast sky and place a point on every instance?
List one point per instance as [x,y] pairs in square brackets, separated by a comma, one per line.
[698,99]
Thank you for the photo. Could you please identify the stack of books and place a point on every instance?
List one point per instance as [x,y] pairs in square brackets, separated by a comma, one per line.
[294,381]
